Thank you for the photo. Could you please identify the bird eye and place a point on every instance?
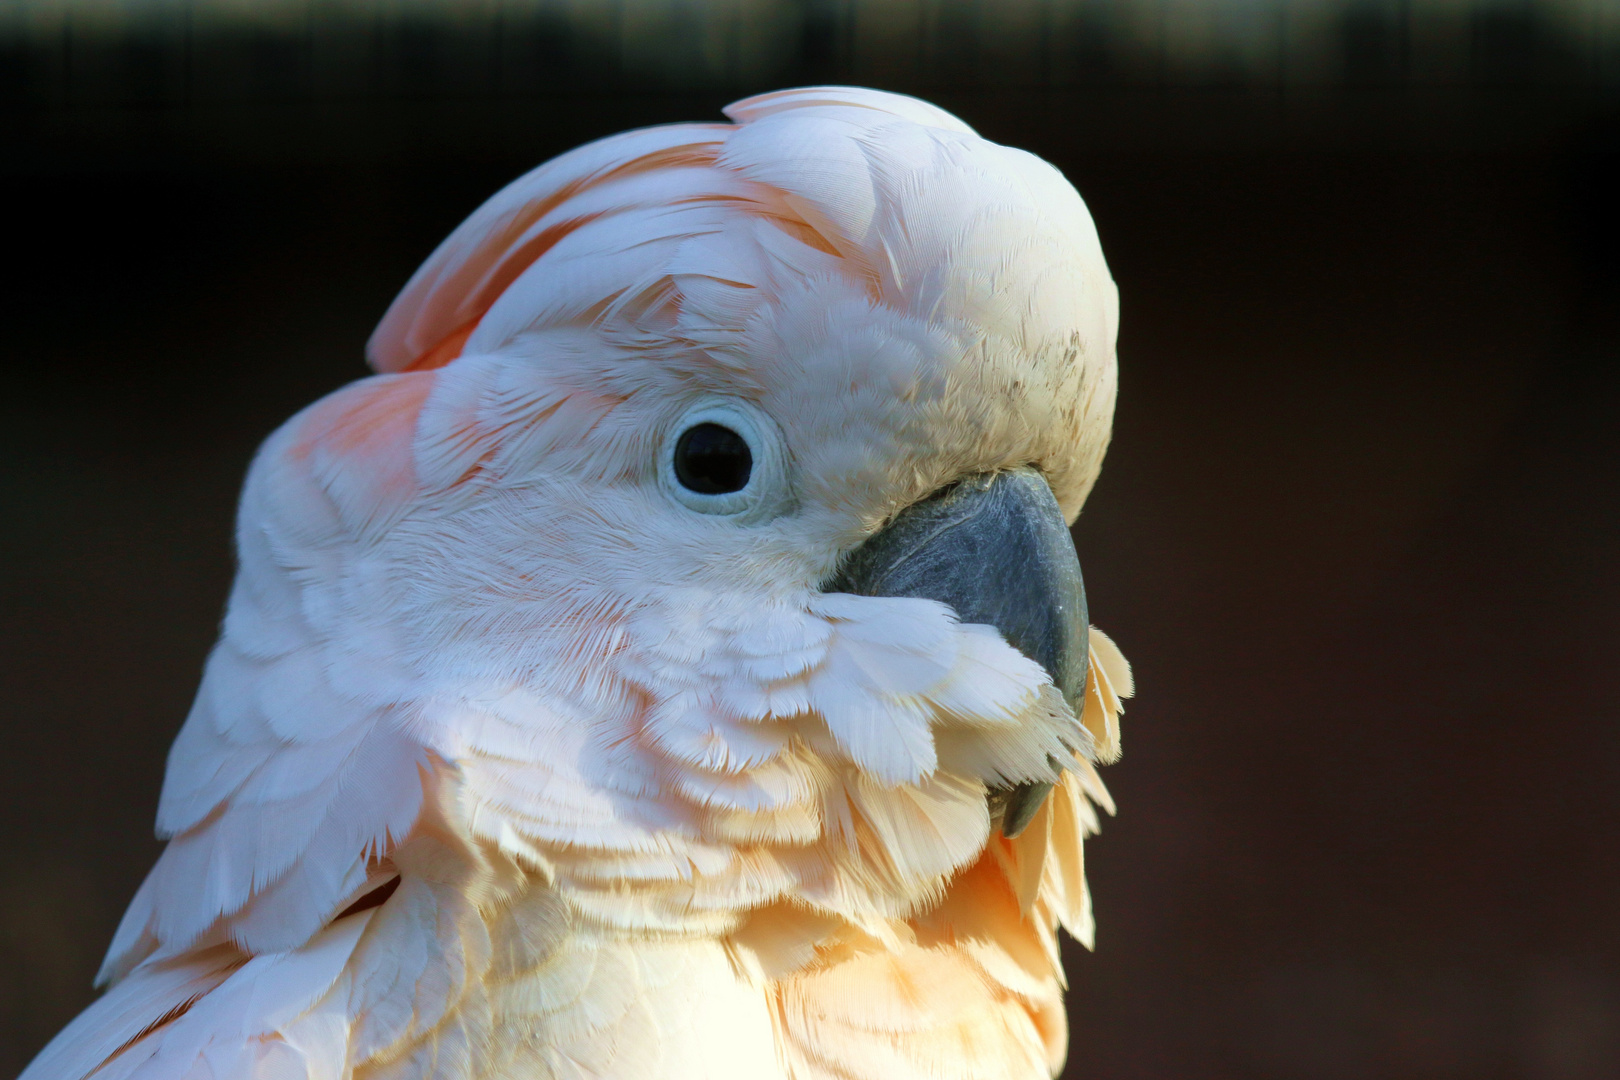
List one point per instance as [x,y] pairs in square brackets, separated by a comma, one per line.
[712,460]
[727,457]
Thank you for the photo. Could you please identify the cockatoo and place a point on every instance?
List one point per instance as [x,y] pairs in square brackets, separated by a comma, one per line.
[673,663]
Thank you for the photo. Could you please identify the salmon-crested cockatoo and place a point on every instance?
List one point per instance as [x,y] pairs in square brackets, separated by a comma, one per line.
[674,661]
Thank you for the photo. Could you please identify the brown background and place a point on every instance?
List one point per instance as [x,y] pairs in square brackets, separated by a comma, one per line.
[1357,531]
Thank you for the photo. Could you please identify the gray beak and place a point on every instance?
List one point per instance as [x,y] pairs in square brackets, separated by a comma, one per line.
[996,549]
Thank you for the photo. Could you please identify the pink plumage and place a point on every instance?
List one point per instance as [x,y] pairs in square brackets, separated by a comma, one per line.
[515,759]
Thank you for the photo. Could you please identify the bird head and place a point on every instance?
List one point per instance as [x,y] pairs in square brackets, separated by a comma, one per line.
[703,536]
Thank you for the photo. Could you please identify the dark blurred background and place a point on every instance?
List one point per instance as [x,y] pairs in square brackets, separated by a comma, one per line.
[1357,531]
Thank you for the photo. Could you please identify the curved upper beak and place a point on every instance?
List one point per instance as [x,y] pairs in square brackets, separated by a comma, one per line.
[996,549]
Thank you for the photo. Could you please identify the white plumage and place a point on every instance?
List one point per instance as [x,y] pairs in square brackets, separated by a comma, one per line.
[649,804]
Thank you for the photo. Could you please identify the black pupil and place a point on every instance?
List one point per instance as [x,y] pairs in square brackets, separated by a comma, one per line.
[712,460]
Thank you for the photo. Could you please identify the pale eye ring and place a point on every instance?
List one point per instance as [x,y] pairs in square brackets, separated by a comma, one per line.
[727,457]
